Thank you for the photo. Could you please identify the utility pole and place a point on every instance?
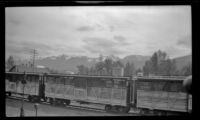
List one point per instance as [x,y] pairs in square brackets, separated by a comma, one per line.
[34,53]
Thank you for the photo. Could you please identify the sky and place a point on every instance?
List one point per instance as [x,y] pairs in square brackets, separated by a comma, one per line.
[94,30]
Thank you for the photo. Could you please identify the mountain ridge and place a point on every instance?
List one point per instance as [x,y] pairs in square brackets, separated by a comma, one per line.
[70,63]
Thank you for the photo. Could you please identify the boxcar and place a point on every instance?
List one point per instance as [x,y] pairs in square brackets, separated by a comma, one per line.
[57,88]
[164,95]
[31,88]
[160,95]
[113,92]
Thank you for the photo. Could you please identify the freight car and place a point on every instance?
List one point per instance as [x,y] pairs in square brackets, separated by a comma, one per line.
[113,92]
[109,91]
[162,95]
[33,88]
[156,95]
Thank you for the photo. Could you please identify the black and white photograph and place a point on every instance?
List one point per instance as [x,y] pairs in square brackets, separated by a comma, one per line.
[98,61]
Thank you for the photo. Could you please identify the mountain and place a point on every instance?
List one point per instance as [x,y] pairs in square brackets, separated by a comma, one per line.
[70,63]
[138,60]
[66,63]
[183,61]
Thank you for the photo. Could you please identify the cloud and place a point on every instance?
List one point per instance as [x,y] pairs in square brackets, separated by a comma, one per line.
[112,28]
[121,40]
[174,51]
[23,48]
[96,45]
[184,42]
[94,30]
[85,28]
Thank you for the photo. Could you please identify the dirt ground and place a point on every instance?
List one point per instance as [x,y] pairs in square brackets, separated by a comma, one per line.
[13,110]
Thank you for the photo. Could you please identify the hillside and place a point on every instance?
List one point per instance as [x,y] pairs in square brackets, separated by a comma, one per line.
[70,63]
[138,60]
[183,61]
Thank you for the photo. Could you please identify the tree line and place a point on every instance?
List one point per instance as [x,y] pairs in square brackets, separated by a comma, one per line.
[105,67]
[158,64]
[161,64]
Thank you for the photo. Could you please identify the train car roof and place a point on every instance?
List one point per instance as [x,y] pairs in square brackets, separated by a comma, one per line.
[161,78]
[22,73]
[90,76]
[68,75]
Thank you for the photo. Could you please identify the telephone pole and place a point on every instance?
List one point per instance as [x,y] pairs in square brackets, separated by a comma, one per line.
[34,53]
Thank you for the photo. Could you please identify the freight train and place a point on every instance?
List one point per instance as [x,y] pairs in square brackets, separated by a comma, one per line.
[150,95]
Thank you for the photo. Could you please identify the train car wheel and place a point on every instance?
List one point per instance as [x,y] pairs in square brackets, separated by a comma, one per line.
[108,108]
[51,101]
[144,111]
[30,98]
[158,113]
[67,102]
[38,99]
[127,109]
[123,109]
[120,109]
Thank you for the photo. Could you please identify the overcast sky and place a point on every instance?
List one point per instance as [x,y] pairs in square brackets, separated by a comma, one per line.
[90,31]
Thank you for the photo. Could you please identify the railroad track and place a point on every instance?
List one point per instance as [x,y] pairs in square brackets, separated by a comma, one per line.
[76,107]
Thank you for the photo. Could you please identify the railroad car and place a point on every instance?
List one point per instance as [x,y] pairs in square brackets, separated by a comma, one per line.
[162,95]
[32,89]
[113,92]
[155,95]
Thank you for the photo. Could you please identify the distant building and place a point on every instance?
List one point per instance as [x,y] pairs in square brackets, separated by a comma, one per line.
[28,69]
[140,74]
[69,72]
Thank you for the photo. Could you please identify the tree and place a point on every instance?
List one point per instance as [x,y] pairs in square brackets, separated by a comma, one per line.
[160,64]
[187,70]
[173,67]
[99,67]
[108,63]
[154,63]
[82,70]
[147,68]
[10,62]
[118,63]
[129,69]
[92,71]
[138,70]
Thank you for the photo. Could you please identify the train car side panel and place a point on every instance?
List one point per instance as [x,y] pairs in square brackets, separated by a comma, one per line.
[19,86]
[177,102]
[80,92]
[119,92]
[59,87]
[50,87]
[68,88]
[161,95]
[13,83]
[92,93]
[12,86]
[69,91]
[32,85]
